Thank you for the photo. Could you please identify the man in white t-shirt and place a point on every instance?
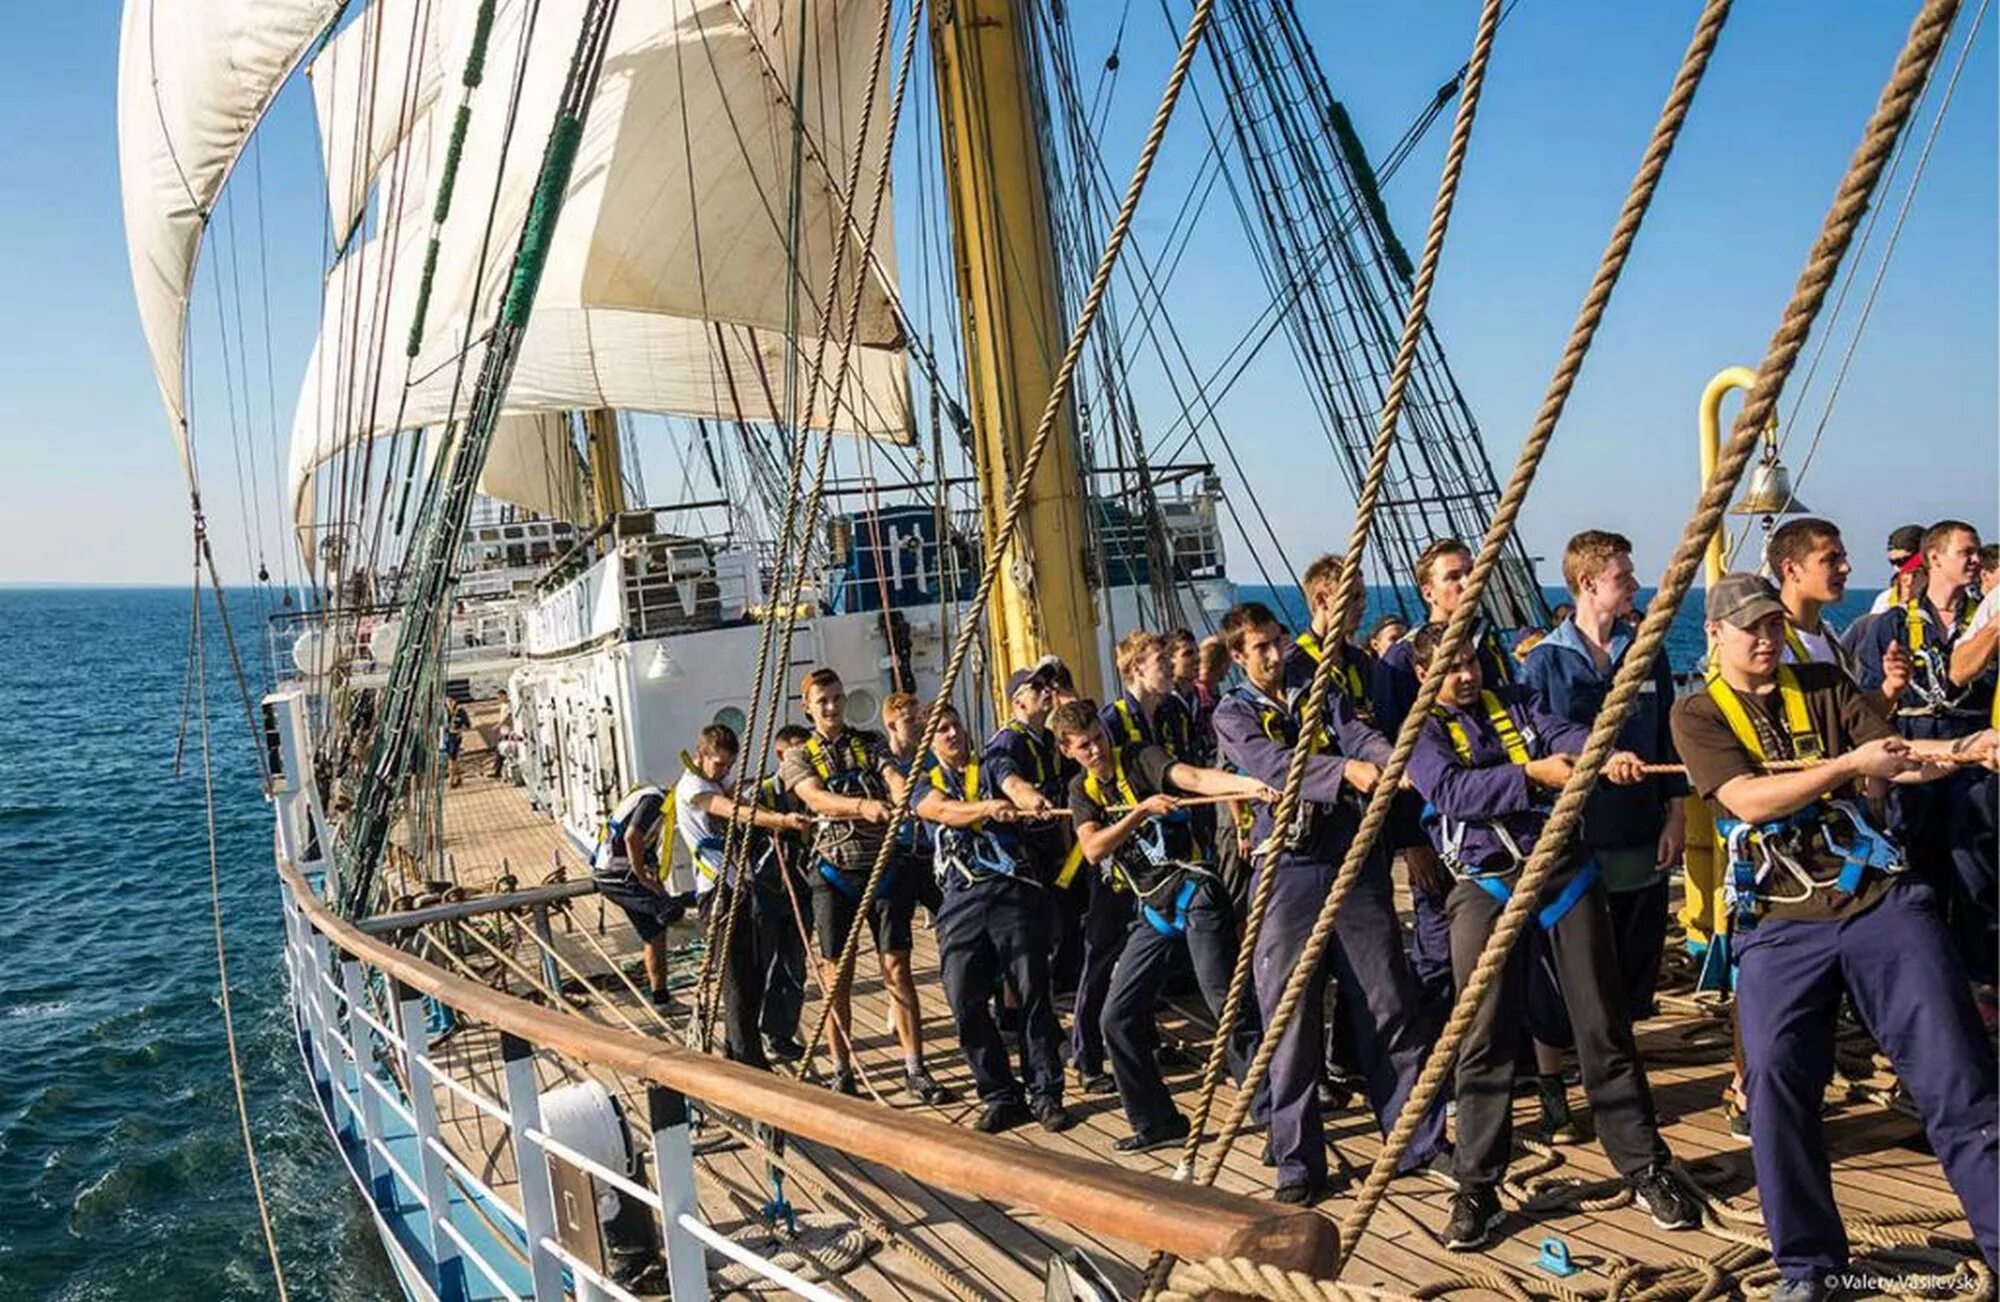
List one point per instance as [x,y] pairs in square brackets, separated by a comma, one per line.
[1809,561]
[703,812]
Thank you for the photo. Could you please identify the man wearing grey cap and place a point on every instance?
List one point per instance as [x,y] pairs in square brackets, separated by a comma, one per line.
[1819,904]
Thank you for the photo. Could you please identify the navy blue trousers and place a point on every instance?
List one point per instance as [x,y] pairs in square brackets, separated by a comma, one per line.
[1896,963]
[1430,947]
[1392,1024]
[1131,1033]
[1106,920]
[986,931]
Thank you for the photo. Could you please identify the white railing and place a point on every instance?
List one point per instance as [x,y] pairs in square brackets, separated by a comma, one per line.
[345,1044]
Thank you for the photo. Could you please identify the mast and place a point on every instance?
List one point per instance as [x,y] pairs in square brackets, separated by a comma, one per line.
[1011,310]
[607,470]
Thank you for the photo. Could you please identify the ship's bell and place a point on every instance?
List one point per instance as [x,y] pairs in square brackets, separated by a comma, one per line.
[1769,492]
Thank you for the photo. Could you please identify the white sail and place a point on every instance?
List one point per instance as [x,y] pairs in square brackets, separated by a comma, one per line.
[194,76]
[619,321]
[371,84]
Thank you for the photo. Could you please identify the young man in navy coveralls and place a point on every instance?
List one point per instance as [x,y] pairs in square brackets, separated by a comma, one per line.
[1123,806]
[1879,937]
[1489,762]
[992,923]
[1256,727]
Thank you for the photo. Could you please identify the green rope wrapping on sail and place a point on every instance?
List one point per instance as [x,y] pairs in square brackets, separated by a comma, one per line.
[482,31]
[1370,189]
[452,153]
[541,229]
[423,299]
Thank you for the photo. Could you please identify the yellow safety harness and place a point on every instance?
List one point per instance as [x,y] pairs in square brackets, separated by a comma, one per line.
[1935,686]
[1503,726]
[1350,673]
[823,763]
[1758,853]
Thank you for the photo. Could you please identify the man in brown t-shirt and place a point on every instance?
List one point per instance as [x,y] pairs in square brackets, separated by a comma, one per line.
[1813,927]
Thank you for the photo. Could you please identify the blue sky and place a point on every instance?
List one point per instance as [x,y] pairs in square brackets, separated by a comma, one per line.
[90,489]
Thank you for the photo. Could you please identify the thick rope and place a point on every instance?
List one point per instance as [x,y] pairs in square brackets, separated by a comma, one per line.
[1891,114]
[1284,817]
[736,845]
[1707,31]
[989,573]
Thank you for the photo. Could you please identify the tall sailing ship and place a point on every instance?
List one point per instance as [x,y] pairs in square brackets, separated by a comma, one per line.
[821,257]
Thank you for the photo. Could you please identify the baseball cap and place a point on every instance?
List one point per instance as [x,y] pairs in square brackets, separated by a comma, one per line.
[1740,600]
[1021,678]
[1907,539]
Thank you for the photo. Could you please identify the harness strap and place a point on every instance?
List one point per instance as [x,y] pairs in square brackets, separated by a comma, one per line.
[1350,672]
[1803,739]
[1502,722]
[1555,910]
[1174,921]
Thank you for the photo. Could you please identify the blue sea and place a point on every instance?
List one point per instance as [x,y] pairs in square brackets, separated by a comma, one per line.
[121,1166]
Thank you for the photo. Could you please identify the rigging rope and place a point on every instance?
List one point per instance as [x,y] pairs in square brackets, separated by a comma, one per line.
[736,843]
[199,682]
[1323,675]
[1891,114]
[1004,533]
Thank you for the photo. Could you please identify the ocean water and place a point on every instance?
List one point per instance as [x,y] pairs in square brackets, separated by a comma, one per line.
[122,1171]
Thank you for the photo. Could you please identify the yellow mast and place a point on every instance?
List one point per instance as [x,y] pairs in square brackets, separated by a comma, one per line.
[607,470]
[1014,333]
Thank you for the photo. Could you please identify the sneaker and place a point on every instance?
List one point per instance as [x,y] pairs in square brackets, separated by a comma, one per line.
[1475,1213]
[843,1081]
[1096,1082]
[1660,1192]
[1055,1118]
[1004,1115]
[926,1088]
[1440,1166]
[1557,1125]
[1145,1142]
[1299,1193]
[1737,1114]
[787,1050]
[1797,1290]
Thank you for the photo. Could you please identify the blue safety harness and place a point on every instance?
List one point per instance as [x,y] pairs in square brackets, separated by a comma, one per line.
[1516,740]
[1150,842]
[974,853]
[851,778]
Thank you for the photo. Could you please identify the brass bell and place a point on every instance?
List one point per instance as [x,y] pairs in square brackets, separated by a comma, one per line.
[1769,492]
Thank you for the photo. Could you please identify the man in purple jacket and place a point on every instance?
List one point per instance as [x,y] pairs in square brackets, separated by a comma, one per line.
[1489,763]
[1256,727]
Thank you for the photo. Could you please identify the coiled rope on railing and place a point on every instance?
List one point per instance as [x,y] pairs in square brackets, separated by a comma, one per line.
[1283,817]
[1024,475]
[1892,113]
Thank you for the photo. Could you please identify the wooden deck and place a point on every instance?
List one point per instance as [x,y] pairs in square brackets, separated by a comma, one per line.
[1881,1163]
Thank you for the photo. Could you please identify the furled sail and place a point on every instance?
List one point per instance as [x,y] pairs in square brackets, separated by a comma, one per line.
[194,76]
[672,277]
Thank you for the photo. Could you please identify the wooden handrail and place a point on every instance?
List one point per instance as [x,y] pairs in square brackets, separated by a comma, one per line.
[1145,1210]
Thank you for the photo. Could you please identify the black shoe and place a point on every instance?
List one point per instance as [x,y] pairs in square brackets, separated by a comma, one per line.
[1661,1193]
[1335,1093]
[1475,1213]
[920,1083]
[1165,1137]
[843,1082]
[1440,1167]
[1172,1057]
[1798,1290]
[1055,1118]
[1096,1082]
[1300,1193]
[1001,1116]
[786,1050]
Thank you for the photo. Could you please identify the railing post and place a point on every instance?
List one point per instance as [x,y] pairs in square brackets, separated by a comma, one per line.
[551,977]
[531,1164]
[413,1026]
[673,1174]
[369,1115]
[322,966]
